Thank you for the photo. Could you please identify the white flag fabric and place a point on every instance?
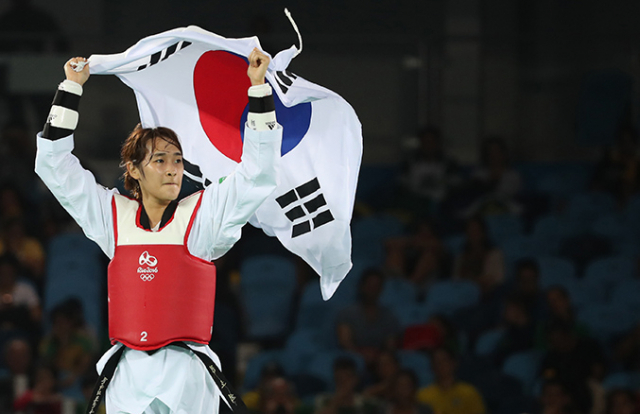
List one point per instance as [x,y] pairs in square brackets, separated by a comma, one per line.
[195,82]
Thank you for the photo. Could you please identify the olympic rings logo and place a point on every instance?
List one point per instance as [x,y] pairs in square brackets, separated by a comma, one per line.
[147,277]
[147,259]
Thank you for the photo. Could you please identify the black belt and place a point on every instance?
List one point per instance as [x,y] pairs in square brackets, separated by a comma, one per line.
[232,398]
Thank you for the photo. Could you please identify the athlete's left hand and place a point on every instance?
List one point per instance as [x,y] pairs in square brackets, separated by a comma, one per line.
[258,63]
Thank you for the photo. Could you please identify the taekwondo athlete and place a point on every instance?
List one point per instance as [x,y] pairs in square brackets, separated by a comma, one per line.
[161,278]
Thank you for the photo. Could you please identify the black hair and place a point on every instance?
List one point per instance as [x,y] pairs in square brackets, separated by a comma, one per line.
[527,263]
[11,260]
[411,375]
[345,362]
[365,276]
[71,309]
[487,142]
[488,243]
[446,350]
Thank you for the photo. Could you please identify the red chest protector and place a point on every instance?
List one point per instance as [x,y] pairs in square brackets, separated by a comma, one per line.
[158,292]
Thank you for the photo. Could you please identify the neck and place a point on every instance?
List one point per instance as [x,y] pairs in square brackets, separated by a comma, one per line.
[155,210]
[446,383]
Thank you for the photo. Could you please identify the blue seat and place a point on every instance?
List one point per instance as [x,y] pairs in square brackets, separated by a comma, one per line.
[622,380]
[551,229]
[626,295]
[419,363]
[410,313]
[560,179]
[629,249]
[455,243]
[524,246]
[347,292]
[267,273]
[632,212]
[556,271]
[503,226]
[378,227]
[494,386]
[268,314]
[524,366]
[452,295]
[369,234]
[300,348]
[585,208]
[603,274]
[518,404]
[267,288]
[256,364]
[615,227]
[313,310]
[488,342]
[397,291]
[75,268]
[606,321]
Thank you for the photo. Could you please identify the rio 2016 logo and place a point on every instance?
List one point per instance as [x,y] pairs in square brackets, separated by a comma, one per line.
[147,274]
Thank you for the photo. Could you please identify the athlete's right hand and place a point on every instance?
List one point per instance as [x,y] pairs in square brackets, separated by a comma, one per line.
[79,77]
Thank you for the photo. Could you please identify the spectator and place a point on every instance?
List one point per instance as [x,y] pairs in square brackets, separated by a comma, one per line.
[368,327]
[495,183]
[346,399]
[560,311]
[480,261]
[555,399]
[69,348]
[280,398]
[43,398]
[519,329]
[27,250]
[448,394]
[88,382]
[576,362]
[404,397]
[270,371]
[19,302]
[18,359]
[626,351]
[428,175]
[528,287]
[17,148]
[25,28]
[437,332]
[618,172]
[421,257]
[11,202]
[387,368]
[622,402]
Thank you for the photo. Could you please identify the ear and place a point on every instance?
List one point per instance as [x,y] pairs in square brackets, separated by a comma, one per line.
[134,172]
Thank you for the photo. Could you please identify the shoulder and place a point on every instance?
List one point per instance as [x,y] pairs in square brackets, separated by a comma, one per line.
[427,393]
[191,199]
[123,200]
[464,388]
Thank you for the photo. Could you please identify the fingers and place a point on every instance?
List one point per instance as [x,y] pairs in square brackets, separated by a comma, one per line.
[257,58]
[78,64]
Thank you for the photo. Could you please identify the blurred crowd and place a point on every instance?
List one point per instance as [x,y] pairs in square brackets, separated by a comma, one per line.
[474,289]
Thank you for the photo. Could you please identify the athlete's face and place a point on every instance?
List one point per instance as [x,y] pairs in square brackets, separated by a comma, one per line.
[160,174]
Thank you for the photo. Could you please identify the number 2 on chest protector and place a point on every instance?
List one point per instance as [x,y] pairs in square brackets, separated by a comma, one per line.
[143,336]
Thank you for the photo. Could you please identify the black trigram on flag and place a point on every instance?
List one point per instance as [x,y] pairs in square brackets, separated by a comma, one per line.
[164,54]
[301,206]
[193,172]
[285,80]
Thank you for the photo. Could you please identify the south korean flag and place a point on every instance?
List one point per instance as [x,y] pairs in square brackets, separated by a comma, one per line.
[195,82]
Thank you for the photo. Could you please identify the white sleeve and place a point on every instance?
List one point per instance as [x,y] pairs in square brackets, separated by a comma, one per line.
[77,191]
[227,206]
